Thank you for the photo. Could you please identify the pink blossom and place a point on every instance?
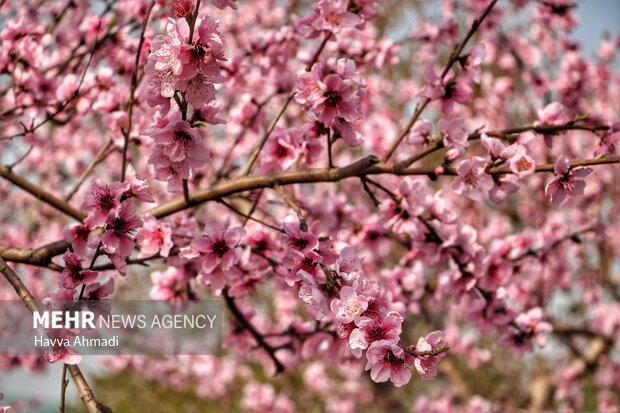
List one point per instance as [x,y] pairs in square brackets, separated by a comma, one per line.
[218,245]
[453,134]
[120,230]
[552,114]
[421,133]
[473,61]
[202,56]
[430,350]
[332,15]
[521,163]
[221,4]
[387,361]
[504,186]
[433,87]
[138,188]
[99,291]
[77,235]
[349,305]
[374,329]
[337,100]
[154,237]
[102,200]
[532,322]
[281,150]
[74,274]
[472,180]
[568,181]
[181,142]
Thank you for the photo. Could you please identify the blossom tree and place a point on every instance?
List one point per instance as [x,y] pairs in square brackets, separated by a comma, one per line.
[369,206]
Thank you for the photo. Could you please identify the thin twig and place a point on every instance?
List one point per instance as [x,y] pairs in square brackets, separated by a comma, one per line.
[245,323]
[132,93]
[454,56]
[248,169]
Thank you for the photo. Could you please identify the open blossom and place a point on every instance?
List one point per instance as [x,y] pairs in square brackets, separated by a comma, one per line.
[77,235]
[181,142]
[163,65]
[334,99]
[202,56]
[154,237]
[472,181]
[281,150]
[568,181]
[99,291]
[454,136]
[374,329]
[521,163]
[331,15]
[472,62]
[138,188]
[218,245]
[552,114]
[74,274]
[102,200]
[532,322]
[119,234]
[349,305]
[430,350]
[388,361]
[421,133]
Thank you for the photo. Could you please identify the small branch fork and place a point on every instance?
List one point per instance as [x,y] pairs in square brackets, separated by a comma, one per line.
[86,393]
[362,168]
[245,323]
[454,56]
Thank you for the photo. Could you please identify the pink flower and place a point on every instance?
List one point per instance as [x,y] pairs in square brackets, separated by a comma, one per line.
[430,350]
[221,4]
[199,91]
[433,87]
[332,15]
[421,133]
[387,361]
[552,114]
[521,163]
[154,238]
[504,186]
[472,62]
[533,324]
[118,237]
[456,90]
[77,235]
[201,57]
[73,275]
[99,291]
[349,305]
[453,134]
[181,142]
[138,188]
[168,284]
[102,200]
[218,246]
[472,181]
[568,181]
[281,151]
[296,239]
[374,329]
[337,100]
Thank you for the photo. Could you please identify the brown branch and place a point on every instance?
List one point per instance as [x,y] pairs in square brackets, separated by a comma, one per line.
[248,169]
[101,155]
[132,93]
[245,323]
[86,393]
[454,56]
[39,193]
